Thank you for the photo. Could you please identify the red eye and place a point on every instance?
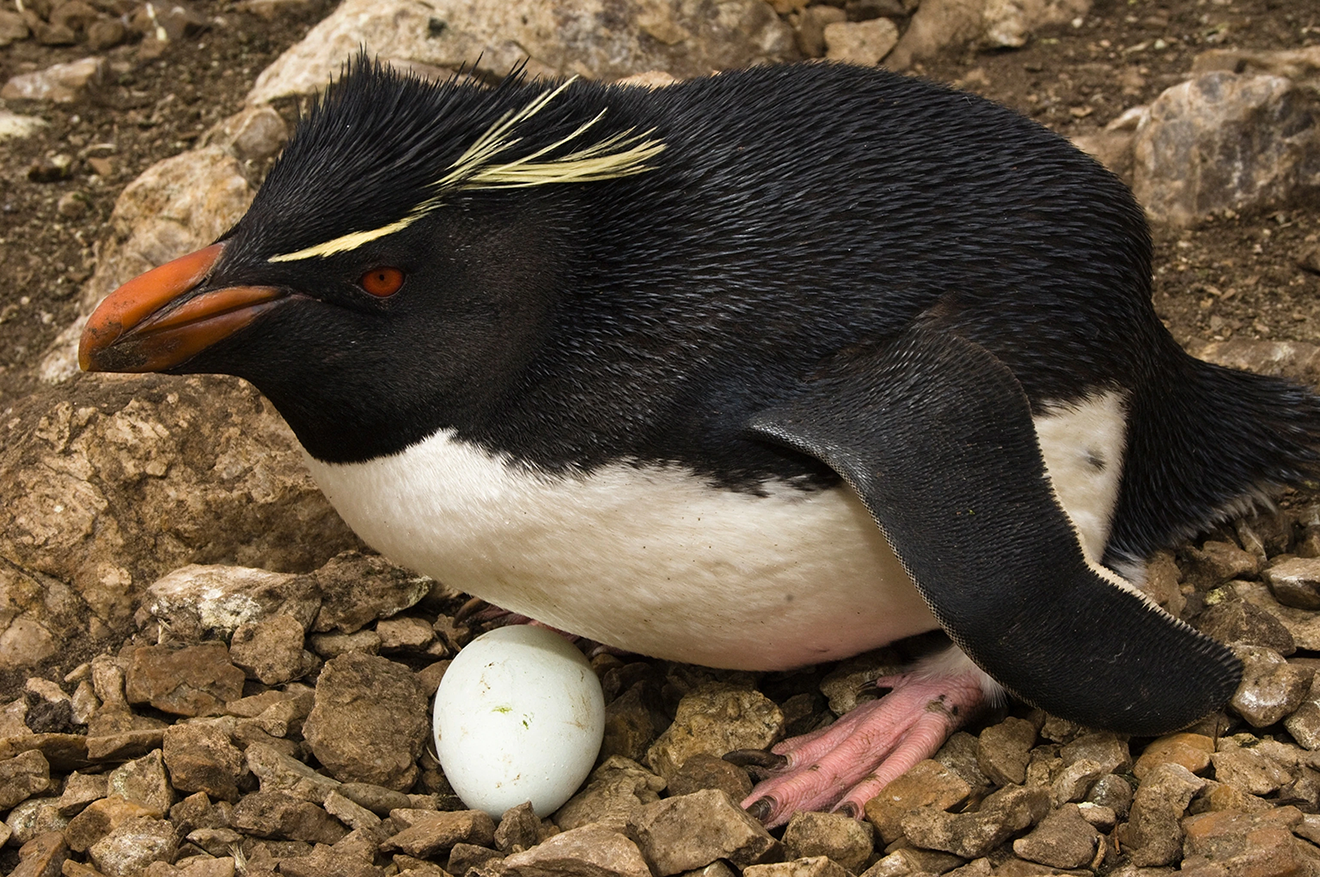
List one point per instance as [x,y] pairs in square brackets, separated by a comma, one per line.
[382,281]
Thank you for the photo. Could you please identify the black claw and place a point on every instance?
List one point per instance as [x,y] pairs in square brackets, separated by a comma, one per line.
[761,808]
[763,758]
[470,608]
[849,809]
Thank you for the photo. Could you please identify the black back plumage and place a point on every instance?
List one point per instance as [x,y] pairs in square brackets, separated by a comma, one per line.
[792,212]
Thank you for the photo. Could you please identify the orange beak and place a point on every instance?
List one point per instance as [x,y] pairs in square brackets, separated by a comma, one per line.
[151,324]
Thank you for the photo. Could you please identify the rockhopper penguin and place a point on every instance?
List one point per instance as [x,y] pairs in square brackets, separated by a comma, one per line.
[752,371]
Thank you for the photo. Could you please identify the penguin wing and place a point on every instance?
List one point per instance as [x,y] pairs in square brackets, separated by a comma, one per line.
[935,434]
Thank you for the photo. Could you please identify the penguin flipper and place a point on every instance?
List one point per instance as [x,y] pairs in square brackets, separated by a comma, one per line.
[935,434]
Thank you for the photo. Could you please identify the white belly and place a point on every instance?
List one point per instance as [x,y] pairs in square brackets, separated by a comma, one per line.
[652,560]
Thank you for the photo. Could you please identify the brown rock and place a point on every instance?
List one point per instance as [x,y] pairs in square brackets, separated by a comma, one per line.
[614,792]
[928,784]
[43,856]
[1248,770]
[1236,621]
[377,799]
[435,832]
[911,860]
[349,812]
[279,772]
[706,771]
[1192,751]
[519,829]
[105,33]
[629,730]
[202,601]
[192,681]
[860,42]
[678,834]
[404,634]
[12,28]
[357,589]
[281,815]
[813,866]
[465,857]
[143,781]
[1107,749]
[325,860]
[971,835]
[33,817]
[1064,839]
[1004,750]
[590,851]
[23,776]
[844,840]
[1261,845]
[271,650]
[1217,562]
[81,789]
[1074,780]
[59,83]
[133,845]
[356,696]
[201,758]
[1152,834]
[715,719]
[99,818]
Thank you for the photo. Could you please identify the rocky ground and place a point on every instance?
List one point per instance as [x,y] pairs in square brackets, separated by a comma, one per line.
[224,717]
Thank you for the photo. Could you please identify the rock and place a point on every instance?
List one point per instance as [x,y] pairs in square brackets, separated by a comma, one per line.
[12,29]
[1192,751]
[357,589]
[1271,688]
[1010,23]
[1302,66]
[591,851]
[201,758]
[1294,359]
[349,812]
[997,23]
[1113,792]
[271,651]
[16,127]
[911,860]
[959,754]
[629,729]
[377,799]
[519,829]
[132,846]
[1004,749]
[23,776]
[814,866]
[99,818]
[971,835]
[1075,779]
[1215,562]
[281,815]
[1103,747]
[332,645]
[324,860]
[33,817]
[81,789]
[43,856]
[59,83]
[691,831]
[1301,624]
[1248,770]
[251,135]
[1223,141]
[203,601]
[1295,581]
[705,771]
[634,36]
[1304,723]
[1260,844]
[1113,149]
[105,33]
[926,784]
[615,790]
[356,696]
[432,833]
[404,634]
[467,857]
[280,772]
[716,718]
[1152,834]
[1064,839]
[192,681]
[860,42]
[811,28]
[1236,621]
[841,838]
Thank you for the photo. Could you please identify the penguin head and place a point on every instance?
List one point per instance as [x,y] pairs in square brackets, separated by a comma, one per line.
[399,264]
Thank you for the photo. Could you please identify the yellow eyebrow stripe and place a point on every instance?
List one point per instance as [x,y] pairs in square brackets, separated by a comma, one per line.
[619,155]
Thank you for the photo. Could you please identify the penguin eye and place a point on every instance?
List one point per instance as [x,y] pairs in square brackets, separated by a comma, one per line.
[381,282]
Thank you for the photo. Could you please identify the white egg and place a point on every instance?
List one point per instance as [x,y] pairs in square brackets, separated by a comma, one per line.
[519,717]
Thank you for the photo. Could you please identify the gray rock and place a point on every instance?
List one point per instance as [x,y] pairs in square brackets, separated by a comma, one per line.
[201,758]
[716,718]
[1223,141]
[1064,839]
[251,135]
[1271,688]
[143,782]
[844,840]
[594,38]
[691,831]
[1075,780]
[1304,723]
[1295,581]
[132,846]
[1301,624]
[202,601]
[1103,747]
[591,851]
[59,83]
[356,696]
[615,790]
[16,127]
[33,817]
[1152,834]
[912,860]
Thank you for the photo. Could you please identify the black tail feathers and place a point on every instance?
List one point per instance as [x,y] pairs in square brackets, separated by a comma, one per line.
[1205,443]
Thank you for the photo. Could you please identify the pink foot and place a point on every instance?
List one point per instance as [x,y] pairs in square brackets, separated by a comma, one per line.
[845,765]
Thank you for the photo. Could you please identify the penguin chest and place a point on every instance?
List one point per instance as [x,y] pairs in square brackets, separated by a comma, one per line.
[649,559]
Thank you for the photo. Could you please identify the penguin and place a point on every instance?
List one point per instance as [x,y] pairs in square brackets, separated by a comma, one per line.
[753,371]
